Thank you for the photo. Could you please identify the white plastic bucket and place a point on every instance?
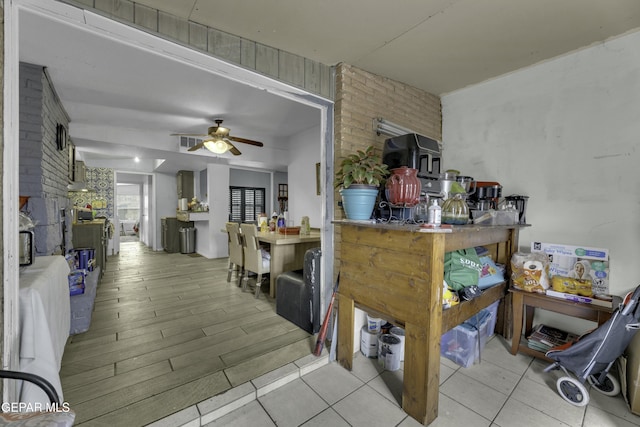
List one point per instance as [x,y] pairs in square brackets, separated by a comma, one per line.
[373,324]
[397,331]
[389,352]
[368,343]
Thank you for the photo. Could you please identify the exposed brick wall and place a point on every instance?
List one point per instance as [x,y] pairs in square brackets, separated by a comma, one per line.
[43,168]
[360,98]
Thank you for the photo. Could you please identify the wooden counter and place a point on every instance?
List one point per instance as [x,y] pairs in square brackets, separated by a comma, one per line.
[396,271]
[92,234]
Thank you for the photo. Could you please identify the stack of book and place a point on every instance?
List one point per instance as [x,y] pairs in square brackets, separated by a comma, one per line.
[543,338]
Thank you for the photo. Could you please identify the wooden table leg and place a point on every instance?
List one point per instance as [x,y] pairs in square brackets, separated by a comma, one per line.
[346,308]
[420,392]
[516,301]
[529,311]
[276,267]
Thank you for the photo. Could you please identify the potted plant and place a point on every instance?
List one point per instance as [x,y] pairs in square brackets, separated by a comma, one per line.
[360,176]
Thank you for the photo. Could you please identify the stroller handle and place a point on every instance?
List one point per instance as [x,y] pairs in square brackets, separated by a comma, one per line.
[631,301]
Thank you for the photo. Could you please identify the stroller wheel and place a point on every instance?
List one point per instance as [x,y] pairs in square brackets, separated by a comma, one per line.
[573,391]
[610,386]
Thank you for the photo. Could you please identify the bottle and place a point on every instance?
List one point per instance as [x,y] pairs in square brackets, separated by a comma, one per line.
[273,222]
[422,210]
[305,227]
[435,213]
[281,222]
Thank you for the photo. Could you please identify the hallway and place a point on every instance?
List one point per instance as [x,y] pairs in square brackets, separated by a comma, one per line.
[168,331]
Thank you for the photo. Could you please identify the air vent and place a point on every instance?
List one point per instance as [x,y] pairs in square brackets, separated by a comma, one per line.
[189,141]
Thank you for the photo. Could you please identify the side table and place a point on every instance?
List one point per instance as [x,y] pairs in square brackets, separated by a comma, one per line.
[524,304]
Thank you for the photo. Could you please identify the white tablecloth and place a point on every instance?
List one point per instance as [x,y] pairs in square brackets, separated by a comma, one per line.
[44,323]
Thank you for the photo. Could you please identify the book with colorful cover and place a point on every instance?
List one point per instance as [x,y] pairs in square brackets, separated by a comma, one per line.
[544,338]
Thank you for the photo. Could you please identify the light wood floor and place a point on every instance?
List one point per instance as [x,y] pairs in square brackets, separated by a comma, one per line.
[169,331]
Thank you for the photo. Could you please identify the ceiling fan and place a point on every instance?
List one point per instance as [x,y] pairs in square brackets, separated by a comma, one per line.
[218,140]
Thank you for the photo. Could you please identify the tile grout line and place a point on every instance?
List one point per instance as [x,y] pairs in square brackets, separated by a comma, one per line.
[303,366]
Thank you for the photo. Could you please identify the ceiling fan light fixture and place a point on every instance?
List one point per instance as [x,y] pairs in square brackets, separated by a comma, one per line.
[217,146]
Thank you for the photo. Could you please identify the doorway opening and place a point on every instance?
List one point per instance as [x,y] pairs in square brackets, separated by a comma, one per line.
[129,205]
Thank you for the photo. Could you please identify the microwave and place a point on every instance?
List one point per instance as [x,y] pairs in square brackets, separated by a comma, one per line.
[26,248]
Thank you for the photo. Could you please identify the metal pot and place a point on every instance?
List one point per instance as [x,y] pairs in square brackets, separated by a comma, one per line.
[467,183]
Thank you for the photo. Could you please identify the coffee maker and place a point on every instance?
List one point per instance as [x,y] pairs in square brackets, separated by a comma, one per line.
[520,202]
[487,196]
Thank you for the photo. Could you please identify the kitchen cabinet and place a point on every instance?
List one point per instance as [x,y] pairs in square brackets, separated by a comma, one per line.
[185,185]
[171,233]
[396,272]
[92,234]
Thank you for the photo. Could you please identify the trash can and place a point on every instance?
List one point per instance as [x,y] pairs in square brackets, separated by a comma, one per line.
[187,240]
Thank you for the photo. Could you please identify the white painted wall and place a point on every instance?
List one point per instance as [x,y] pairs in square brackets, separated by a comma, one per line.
[165,196]
[303,199]
[218,185]
[565,133]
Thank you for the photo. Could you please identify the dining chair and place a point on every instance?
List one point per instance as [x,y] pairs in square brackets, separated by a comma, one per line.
[236,255]
[256,259]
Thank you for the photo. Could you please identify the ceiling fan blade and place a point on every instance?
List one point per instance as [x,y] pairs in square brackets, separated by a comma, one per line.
[246,141]
[188,134]
[233,149]
[197,146]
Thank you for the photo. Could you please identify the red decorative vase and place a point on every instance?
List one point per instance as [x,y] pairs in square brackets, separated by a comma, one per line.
[403,187]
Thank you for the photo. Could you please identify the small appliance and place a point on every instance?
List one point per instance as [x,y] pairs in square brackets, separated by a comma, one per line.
[416,152]
[27,247]
[486,196]
[520,202]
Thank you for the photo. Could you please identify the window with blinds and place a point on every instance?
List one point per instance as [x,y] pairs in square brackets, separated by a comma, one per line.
[246,203]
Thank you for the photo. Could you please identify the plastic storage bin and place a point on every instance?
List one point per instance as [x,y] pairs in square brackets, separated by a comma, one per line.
[82,305]
[460,344]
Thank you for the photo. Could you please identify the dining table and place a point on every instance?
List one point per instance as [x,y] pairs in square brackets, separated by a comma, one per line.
[287,252]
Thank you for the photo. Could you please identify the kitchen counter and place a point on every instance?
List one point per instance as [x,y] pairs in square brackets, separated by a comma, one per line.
[187,216]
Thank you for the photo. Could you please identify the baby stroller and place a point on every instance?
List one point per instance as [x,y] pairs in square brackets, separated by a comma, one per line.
[591,357]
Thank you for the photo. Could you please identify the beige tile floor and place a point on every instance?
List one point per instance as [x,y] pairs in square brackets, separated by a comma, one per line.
[122,375]
[501,390]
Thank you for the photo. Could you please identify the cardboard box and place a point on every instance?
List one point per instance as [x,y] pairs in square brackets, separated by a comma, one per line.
[76,282]
[568,261]
[632,375]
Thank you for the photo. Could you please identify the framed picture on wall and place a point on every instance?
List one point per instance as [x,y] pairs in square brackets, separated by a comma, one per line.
[61,137]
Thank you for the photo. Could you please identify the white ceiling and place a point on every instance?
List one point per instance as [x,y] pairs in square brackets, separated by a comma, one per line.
[123,99]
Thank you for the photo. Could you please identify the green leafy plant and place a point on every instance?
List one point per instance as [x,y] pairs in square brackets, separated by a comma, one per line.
[364,167]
